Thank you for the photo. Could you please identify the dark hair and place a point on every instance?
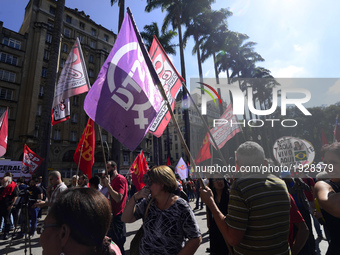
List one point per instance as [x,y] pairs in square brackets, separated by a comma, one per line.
[87,212]
[112,163]
[95,180]
[86,179]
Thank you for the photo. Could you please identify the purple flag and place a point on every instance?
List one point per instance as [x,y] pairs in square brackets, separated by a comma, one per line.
[124,99]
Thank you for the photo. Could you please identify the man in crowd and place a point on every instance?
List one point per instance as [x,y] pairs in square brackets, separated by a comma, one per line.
[75,179]
[34,194]
[57,186]
[118,189]
[8,195]
[258,212]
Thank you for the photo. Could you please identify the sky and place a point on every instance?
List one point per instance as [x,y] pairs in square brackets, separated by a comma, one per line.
[297,39]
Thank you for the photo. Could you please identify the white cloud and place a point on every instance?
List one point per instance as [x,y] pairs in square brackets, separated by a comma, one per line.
[288,72]
[297,47]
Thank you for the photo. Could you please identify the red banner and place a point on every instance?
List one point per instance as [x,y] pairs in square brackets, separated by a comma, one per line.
[226,129]
[138,168]
[31,160]
[87,147]
[3,132]
[171,82]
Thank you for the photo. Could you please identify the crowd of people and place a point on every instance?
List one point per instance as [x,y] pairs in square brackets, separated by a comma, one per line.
[267,214]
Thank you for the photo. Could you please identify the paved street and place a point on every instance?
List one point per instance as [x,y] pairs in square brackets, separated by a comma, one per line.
[18,246]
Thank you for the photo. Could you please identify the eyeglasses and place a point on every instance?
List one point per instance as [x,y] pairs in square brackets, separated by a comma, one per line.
[52,225]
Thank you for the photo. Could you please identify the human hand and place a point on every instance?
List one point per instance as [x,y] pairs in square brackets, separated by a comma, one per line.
[206,195]
[143,193]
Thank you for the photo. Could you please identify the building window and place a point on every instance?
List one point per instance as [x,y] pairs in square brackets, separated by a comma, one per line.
[176,146]
[125,159]
[6,94]
[39,109]
[7,76]
[44,72]
[81,38]
[8,58]
[92,44]
[3,109]
[91,59]
[67,32]
[11,43]
[106,38]
[68,19]
[57,135]
[36,131]
[75,100]
[50,23]
[48,38]
[175,137]
[41,91]
[104,138]
[91,73]
[52,9]
[82,25]
[73,136]
[93,32]
[176,155]
[74,118]
[46,55]
[62,62]
[65,48]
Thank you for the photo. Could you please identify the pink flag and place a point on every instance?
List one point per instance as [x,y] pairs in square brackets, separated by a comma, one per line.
[73,81]
[3,132]
[171,82]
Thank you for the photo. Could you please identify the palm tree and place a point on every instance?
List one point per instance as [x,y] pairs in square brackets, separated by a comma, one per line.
[46,115]
[164,38]
[121,5]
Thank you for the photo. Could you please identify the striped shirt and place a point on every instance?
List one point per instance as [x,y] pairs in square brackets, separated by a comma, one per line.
[260,207]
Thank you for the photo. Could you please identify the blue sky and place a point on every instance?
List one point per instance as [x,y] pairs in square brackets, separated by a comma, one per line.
[297,39]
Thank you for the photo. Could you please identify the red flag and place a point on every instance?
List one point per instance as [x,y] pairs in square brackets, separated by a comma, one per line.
[87,141]
[204,152]
[31,160]
[138,168]
[223,130]
[73,81]
[3,132]
[171,82]
[324,138]
[168,163]
[337,130]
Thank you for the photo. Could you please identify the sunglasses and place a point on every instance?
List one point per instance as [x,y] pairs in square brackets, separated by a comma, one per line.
[52,225]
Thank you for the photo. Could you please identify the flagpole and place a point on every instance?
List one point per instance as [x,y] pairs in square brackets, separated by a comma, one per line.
[161,89]
[206,126]
[101,143]
[81,152]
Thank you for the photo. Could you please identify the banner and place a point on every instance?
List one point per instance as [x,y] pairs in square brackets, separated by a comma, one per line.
[204,152]
[73,81]
[14,167]
[224,130]
[31,160]
[124,99]
[171,82]
[182,169]
[3,132]
[290,151]
[138,168]
[87,141]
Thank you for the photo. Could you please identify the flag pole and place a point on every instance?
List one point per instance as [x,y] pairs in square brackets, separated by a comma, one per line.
[81,152]
[101,143]
[161,89]
[206,126]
